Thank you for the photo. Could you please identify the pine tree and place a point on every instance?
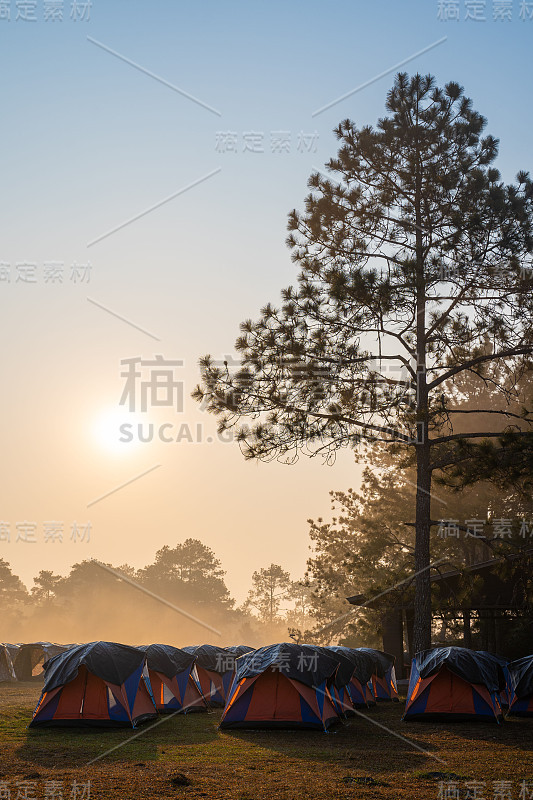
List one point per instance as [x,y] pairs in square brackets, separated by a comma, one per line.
[415,267]
[270,586]
[189,571]
[45,586]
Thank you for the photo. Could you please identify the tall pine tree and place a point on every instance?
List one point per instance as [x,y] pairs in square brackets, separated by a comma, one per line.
[415,266]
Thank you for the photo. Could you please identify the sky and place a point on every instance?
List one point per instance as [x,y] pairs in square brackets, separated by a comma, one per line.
[150,156]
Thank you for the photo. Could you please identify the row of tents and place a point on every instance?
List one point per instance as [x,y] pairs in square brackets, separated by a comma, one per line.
[447,684]
[283,685]
[278,686]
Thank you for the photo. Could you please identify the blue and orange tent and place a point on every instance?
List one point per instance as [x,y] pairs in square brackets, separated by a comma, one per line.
[234,652]
[97,684]
[521,687]
[214,667]
[453,683]
[339,688]
[282,686]
[384,674]
[173,678]
[359,687]
[504,663]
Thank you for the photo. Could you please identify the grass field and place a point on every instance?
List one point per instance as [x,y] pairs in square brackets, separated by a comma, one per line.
[188,757]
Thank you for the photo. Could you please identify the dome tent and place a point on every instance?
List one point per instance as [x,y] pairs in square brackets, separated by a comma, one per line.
[215,667]
[454,683]
[384,674]
[173,678]
[341,680]
[282,686]
[360,687]
[98,684]
[521,687]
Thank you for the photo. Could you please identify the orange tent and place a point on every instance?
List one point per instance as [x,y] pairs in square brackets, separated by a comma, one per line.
[282,686]
[98,684]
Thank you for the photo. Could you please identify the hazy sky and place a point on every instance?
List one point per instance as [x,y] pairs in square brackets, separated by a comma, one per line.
[89,142]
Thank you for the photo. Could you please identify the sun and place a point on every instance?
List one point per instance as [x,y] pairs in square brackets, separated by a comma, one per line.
[107,430]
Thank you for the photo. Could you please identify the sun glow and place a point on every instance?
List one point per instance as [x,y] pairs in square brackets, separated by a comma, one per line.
[106,430]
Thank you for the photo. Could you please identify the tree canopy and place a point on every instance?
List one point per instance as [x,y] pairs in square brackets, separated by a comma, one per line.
[189,571]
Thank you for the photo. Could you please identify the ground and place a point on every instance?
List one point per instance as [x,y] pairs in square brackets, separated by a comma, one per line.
[188,757]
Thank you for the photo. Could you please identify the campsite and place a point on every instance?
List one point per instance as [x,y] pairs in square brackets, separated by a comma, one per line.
[357,761]
[369,753]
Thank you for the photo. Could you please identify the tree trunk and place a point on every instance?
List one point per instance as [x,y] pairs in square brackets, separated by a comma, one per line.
[422,624]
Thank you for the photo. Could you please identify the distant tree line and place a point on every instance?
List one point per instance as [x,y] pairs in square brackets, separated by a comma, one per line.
[187,576]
